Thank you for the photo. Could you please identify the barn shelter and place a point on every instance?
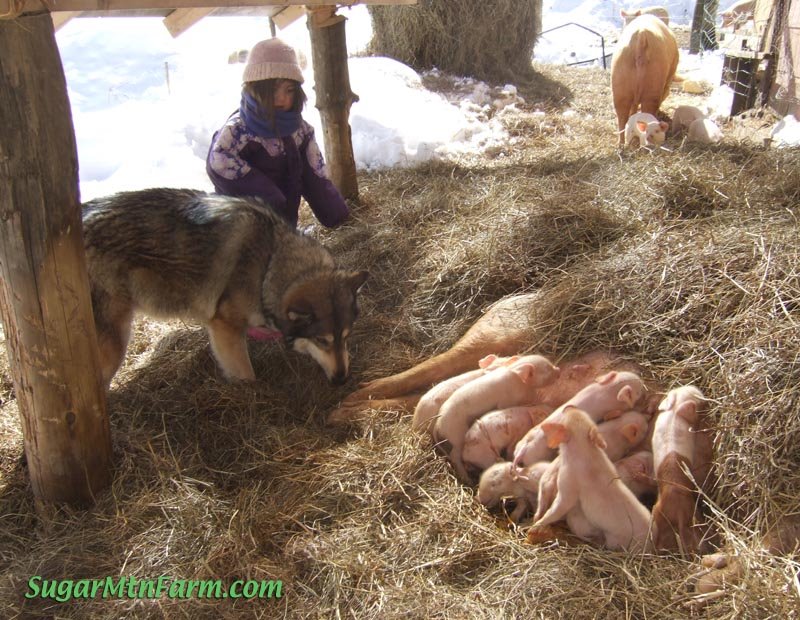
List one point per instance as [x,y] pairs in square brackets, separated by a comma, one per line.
[44,291]
[762,56]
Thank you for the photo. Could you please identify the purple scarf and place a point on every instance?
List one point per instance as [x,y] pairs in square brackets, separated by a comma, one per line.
[286,123]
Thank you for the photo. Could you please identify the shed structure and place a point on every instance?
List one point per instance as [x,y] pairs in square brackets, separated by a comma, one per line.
[762,57]
[45,302]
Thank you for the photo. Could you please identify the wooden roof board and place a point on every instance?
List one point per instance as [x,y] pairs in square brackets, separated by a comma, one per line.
[13,8]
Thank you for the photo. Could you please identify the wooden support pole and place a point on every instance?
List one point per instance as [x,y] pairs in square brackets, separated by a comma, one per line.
[44,288]
[334,97]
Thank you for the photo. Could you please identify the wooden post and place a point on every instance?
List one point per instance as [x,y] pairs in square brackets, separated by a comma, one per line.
[44,288]
[334,97]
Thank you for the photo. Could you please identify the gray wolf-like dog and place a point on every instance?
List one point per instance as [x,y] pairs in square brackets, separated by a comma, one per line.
[228,263]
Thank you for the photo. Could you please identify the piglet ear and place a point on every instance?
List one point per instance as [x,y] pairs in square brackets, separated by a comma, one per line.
[525,372]
[596,438]
[641,126]
[577,370]
[555,433]
[495,360]
[650,406]
[687,411]
[625,395]
[631,433]
[668,402]
[606,378]
[664,126]
[487,361]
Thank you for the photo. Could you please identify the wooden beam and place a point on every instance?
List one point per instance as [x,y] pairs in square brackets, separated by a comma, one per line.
[334,97]
[180,20]
[62,17]
[44,287]
[13,8]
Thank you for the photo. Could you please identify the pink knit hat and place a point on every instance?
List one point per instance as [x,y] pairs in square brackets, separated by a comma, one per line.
[272,58]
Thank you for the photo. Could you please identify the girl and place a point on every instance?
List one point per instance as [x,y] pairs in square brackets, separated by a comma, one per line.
[266,149]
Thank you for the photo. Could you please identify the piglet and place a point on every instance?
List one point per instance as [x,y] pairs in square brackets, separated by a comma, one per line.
[624,433]
[548,487]
[632,472]
[578,372]
[588,479]
[507,386]
[704,131]
[608,396]
[494,434]
[683,116]
[675,511]
[636,471]
[429,405]
[533,447]
[619,436]
[500,481]
[645,129]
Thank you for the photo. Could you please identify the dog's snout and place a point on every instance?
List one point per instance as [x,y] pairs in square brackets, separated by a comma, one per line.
[339,378]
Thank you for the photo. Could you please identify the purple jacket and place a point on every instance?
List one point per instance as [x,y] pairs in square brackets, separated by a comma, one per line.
[277,170]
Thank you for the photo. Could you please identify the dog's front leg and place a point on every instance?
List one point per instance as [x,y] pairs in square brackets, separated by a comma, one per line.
[229,345]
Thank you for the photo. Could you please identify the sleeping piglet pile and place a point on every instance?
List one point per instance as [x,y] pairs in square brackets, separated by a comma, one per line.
[580,445]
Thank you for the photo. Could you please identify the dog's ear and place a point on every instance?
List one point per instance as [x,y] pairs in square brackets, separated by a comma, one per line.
[357,279]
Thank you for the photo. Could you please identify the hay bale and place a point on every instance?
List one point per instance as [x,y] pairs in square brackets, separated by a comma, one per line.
[486,40]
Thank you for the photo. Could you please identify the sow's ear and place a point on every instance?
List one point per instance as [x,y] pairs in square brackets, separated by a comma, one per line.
[356,280]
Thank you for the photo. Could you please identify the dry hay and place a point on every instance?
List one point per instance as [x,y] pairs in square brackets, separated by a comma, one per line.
[685,259]
[487,40]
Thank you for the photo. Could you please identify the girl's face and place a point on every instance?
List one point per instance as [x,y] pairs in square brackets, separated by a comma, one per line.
[285,91]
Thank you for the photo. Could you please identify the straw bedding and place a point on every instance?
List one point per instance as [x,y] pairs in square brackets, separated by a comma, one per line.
[686,260]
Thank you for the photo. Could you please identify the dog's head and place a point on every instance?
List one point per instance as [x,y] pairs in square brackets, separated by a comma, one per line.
[317,317]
